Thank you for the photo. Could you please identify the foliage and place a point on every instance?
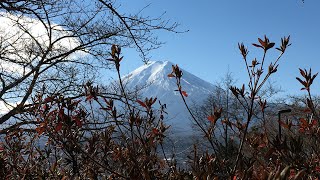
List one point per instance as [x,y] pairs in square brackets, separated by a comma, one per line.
[55,46]
[89,133]
[78,144]
[260,153]
[109,142]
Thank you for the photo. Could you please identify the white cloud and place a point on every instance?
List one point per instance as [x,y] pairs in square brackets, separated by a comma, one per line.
[4,108]
[15,43]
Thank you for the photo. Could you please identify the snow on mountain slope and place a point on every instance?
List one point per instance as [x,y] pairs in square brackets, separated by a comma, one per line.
[154,76]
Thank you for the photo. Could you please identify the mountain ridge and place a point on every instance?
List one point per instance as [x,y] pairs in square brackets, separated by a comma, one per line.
[154,77]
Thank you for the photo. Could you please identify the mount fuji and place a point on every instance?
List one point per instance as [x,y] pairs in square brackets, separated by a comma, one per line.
[153,77]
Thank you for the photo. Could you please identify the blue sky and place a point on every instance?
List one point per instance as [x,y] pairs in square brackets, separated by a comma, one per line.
[209,49]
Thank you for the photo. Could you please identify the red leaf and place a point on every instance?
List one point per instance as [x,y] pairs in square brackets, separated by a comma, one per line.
[155,131]
[59,126]
[301,130]
[302,82]
[48,99]
[45,107]
[142,103]
[262,145]
[89,97]
[78,122]
[314,76]
[284,125]
[1,147]
[62,116]
[270,45]
[303,74]
[304,122]
[307,110]
[269,153]
[263,43]
[41,128]
[153,101]
[184,93]
[211,118]
[257,45]
[171,75]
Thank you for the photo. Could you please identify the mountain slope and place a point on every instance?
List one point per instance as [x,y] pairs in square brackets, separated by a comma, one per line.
[154,76]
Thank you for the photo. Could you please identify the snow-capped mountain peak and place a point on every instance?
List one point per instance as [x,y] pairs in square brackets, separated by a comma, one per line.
[154,71]
[154,77]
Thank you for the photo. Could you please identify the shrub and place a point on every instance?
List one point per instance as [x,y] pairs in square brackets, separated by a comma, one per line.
[100,135]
